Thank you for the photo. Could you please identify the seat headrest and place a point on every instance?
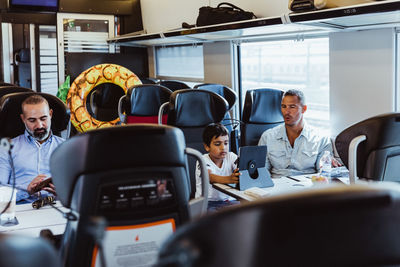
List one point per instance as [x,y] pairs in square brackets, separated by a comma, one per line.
[174,85]
[196,108]
[6,89]
[263,106]
[220,89]
[36,252]
[145,100]
[149,80]
[10,110]
[115,148]
[381,131]
[295,222]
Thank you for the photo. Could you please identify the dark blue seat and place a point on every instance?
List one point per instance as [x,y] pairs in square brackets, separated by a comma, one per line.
[149,80]
[174,85]
[377,157]
[142,103]
[227,93]
[132,176]
[261,111]
[192,110]
[10,110]
[342,226]
[24,251]
[8,89]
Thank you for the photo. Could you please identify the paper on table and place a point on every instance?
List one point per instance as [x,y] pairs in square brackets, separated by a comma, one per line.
[256,192]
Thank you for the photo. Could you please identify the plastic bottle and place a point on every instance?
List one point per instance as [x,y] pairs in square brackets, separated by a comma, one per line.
[325,165]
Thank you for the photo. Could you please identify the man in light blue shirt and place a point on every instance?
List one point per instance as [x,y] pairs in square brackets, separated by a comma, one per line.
[293,148]
[31,151]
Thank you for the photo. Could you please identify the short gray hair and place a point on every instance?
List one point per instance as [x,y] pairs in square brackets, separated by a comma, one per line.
[298,93]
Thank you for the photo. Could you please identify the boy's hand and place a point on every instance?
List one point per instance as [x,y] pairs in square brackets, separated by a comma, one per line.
[234,177]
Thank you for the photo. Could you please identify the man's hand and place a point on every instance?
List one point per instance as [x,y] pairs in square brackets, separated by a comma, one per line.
[335,163]
[36,181]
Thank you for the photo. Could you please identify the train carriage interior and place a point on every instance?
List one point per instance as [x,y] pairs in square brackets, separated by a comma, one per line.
[131,88]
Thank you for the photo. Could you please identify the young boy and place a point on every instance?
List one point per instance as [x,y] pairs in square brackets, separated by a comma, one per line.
[221,165]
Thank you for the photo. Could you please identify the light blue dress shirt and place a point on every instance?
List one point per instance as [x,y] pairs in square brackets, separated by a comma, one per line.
[30,159]
[303,158]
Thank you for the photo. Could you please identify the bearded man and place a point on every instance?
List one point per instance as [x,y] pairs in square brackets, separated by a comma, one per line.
[31,151]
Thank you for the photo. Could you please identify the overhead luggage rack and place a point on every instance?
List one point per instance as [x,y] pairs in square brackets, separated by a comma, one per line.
[380,14]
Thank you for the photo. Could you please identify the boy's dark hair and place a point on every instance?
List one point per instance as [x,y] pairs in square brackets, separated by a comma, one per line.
[213,130]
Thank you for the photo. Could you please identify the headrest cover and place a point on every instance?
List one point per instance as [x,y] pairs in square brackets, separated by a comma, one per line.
[118,147]
[382,131]
[145,100]
[263,106]
[195,108]
[10,110]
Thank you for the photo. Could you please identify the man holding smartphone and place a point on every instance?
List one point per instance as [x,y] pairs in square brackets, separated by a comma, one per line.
[31,151]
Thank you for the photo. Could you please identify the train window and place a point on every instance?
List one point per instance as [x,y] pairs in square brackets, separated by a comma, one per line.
[288,64]
[397,71]
[184,62]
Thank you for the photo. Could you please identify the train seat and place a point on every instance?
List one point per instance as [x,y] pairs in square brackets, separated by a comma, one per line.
[335,226]
[142,103]
[129,180]
[192,110]
[10,110]
[371,148]
[261,111]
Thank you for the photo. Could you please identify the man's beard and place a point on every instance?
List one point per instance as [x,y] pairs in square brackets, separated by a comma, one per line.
[40,134]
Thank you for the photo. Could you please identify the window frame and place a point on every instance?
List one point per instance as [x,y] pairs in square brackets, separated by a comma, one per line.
[299,37]
[180,78]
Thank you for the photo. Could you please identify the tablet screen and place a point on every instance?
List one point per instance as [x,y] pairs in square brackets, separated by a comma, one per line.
[252,157]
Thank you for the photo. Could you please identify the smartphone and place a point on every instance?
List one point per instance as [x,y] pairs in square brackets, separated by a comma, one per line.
[42,184]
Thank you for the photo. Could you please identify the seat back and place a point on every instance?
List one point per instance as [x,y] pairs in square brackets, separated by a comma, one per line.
[149,80]
[231,97]
[224,91]
[192,110]
[261,111]
[8,89]
[102,102]
[174,85]
[227,93]
[338,226]
[11,124]
[378,157]
[8,84]
[142,103]
[133,176]
[23,251]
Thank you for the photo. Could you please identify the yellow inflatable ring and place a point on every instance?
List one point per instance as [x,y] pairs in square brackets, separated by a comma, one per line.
[85,82]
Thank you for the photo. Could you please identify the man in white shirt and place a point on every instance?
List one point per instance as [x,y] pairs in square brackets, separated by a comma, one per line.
[294,147]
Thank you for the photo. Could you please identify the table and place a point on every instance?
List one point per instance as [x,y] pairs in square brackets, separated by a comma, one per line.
[281,185]
[32,221]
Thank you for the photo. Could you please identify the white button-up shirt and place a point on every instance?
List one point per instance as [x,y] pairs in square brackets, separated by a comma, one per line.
[284,160]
